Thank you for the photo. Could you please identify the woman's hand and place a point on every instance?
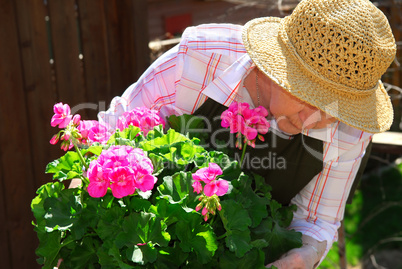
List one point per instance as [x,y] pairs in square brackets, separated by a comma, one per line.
[306,257]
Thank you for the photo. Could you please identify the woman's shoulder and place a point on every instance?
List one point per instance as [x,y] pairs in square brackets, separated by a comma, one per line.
[213,35]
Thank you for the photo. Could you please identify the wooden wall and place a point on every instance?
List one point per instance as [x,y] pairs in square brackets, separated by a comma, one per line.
[80,52]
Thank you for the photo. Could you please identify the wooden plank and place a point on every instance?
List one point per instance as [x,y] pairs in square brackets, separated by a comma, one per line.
[6,18]
[121,46]
[15,152]
[115,49]
[38,83]
[95,55]
[69,71]
[141,38]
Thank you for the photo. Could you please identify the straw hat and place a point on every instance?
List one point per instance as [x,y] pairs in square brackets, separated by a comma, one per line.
[330,54]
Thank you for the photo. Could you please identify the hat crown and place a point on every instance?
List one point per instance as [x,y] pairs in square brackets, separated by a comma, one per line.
[345,41]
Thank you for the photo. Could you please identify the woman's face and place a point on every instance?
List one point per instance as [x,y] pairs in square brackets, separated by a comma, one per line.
[294,115]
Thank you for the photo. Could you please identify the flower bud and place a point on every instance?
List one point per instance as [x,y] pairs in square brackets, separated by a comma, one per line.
[204,211]
[76,119]
[65,136]
[198,207]
[55,139]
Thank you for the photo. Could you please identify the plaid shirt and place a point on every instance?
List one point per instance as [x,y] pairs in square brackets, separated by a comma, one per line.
[211,62]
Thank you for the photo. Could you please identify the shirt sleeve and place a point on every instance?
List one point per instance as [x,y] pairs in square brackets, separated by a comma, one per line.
[155,89]
[321,204]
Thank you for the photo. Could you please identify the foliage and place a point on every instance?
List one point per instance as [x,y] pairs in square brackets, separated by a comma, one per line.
[159,228]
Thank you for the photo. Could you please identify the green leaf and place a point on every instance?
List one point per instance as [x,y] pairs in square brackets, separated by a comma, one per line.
[239,242]
[253,260]
[97,150]
[234,216]
[173,147]
[110,223]
[157,162]
[171,257]
[282,240]
[177,189]
[117,258]
[139,204]
[190,125]
[142,254]
[140,228]
[83,255]
[47,190]
[62,212]
[194,236]
[257,207]
[170,212]
[49,247]
[67,167]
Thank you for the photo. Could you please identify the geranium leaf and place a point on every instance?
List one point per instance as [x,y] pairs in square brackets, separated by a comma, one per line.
[253,260]
[142,254]
[63,211]
[66,167]
[110,223]
[47,190]
[117,257]
[239,242]
[178,187]
[83,256]
[49,247]
[196,237]
[281,241]
[140,228]
[256,205]
[97,150]
[157,162]
[170,257]
[235,217]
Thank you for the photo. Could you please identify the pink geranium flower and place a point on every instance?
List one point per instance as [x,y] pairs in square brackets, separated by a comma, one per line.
[62,115]
[240,119]
[213,188]
[93,131]
[98,182]
[208,175]
[143,180]
[218,187]
[144,118]
[122,181]
[123,169]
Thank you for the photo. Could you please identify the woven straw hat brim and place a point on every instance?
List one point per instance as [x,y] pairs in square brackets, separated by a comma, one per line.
[371,112]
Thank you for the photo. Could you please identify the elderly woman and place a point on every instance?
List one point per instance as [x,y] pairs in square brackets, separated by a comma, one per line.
[318,74]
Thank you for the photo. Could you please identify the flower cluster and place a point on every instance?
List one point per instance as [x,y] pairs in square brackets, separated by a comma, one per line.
[250,123]
[142,117]
[89,131]
[123,169]
[93,131]
[212,188]
[63,119]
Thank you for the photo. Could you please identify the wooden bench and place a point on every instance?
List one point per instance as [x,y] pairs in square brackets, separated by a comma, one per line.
[388,142]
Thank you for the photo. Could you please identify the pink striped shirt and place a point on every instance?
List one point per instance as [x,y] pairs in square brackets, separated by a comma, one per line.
[211,62]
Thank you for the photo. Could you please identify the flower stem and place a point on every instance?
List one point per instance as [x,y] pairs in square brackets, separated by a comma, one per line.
[80,155]
[222,236]
[242,155]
